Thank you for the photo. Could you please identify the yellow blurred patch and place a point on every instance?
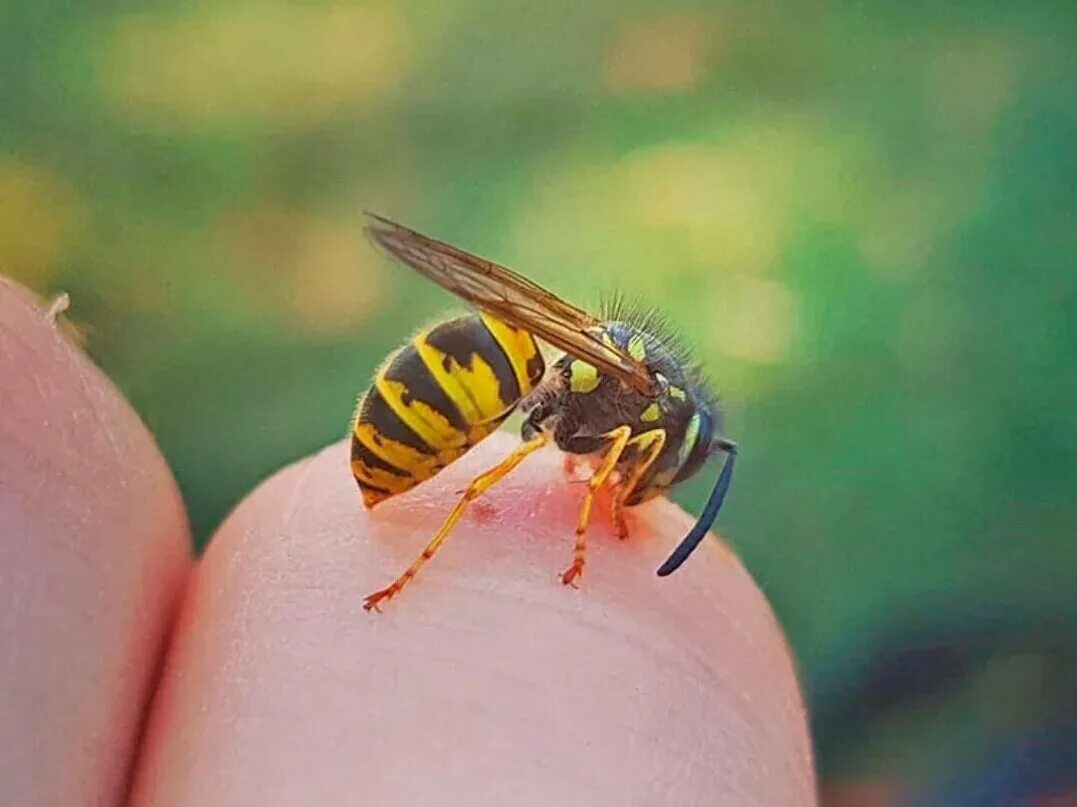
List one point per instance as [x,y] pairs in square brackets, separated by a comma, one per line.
[285,65]
[39,218]
[698,229]
[666,53]
[757,321]
[728,202]
[313,276]
[710,207]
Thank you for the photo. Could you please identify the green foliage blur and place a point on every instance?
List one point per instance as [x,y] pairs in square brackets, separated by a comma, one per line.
[862,217]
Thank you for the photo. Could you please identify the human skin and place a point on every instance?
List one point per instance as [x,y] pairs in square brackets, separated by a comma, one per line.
[485,682]
[94,554]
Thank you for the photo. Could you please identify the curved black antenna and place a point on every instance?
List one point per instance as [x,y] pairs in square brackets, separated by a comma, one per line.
[707,517]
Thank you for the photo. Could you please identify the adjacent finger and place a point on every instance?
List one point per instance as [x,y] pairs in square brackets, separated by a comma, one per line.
[93,553]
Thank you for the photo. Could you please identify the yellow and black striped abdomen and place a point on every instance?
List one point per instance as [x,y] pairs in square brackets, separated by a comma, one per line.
[435,398]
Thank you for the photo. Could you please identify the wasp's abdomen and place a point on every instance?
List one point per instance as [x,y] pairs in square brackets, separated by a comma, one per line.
[435,398]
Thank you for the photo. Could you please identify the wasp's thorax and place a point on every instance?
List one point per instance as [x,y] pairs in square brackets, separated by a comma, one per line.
[580,405]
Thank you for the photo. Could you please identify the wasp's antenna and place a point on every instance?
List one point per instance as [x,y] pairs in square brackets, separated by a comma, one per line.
[707,517]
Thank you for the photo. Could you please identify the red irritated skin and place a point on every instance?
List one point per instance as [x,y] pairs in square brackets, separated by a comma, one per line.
[491,683]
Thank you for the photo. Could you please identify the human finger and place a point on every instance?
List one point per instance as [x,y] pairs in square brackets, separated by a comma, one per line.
[486,681]
[94,551]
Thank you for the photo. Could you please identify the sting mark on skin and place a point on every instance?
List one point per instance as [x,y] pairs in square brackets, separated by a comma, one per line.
[483,511]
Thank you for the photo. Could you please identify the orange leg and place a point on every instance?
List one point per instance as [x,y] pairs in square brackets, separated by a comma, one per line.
[478,486]
[651,442]
[620,437]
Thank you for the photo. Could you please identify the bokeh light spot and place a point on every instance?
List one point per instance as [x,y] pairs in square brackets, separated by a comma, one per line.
[758,321]
[40,214]
[311,276]
[286,66]
[721,199]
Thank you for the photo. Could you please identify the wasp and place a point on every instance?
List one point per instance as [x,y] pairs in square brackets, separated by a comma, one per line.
[623,392]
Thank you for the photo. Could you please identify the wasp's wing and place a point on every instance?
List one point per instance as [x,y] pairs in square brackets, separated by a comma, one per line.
[509,297]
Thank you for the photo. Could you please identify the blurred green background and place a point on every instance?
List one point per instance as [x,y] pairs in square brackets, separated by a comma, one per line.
[862,216]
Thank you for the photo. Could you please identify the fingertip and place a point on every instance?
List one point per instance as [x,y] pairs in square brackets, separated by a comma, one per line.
[486,677]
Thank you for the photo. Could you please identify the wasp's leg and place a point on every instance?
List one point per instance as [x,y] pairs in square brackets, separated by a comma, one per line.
[619,437]
[648,445]
[478,486]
